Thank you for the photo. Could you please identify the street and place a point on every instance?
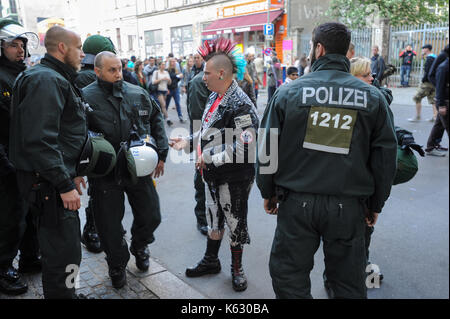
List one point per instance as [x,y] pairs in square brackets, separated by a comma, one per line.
[410,243]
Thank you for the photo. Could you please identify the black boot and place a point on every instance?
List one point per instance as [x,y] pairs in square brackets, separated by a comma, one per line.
[10,282]
[142,256]
[237,272]
[118,277]
[210,263]
[90,235]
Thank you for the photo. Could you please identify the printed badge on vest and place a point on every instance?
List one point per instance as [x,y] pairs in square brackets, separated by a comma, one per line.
[330,129]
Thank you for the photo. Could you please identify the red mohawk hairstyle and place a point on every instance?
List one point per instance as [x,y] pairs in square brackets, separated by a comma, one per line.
[218,46]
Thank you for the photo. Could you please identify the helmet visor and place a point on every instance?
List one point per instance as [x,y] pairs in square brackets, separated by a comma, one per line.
[14,31]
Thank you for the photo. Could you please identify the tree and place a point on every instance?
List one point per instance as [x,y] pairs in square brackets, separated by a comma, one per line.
[361,13]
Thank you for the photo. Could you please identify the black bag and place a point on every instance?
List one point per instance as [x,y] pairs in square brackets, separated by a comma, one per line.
[153,88]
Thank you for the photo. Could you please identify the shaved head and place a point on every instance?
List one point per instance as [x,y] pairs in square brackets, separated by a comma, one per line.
[222,62]
[98,62]
[56,35]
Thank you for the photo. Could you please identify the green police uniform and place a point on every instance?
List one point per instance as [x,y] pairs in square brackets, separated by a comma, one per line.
[198,96]
[334,147]
[48,131]
[116,108]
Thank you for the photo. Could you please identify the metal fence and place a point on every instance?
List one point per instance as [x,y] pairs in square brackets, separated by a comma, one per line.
[417,36]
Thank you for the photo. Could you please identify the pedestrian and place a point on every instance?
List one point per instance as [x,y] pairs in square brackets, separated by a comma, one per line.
[361,68]
[140,115]
[48,131]
[247,86]
[407,57]
[352,141]
[272,77]
[426,88]
[138,74]
[226,166]
[162,78]
[377,65]
[91,47]
[127,76]
[149,69]
[259,66]
[198,97]
[173,90]
[251,70]
[186,73]
[351,51]
[17,223]
[302,67]
[292,74]
[442,118]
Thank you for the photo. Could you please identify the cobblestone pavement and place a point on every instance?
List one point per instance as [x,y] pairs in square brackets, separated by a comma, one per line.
[94,281]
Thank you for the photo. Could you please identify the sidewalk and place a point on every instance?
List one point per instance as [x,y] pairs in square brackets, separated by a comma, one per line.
[94,281]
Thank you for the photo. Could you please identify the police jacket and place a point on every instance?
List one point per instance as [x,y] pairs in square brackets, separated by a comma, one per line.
[117,107]
[228,138]
[86,76]
[8,74]
[198,96]
[432,72]
[331,134]
[48,123]
[442,84]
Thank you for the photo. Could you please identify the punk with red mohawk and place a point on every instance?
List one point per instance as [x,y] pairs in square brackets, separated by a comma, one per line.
[222,46]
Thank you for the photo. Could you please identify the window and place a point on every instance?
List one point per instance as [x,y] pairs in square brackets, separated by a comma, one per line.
[130,42]
[182,41]
[154,43]
[119,42]
[176,3]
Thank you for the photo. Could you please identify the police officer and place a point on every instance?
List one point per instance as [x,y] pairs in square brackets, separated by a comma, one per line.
[91,47]
[17,229]
[118,109]
[198,97]
[47,134]
[335,150]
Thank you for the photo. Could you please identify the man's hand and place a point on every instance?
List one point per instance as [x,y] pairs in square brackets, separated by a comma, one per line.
[71,200]
[200,163]
[442,110]
[178,143]
[78,182]
[159,170]
[271,205]
[371,218]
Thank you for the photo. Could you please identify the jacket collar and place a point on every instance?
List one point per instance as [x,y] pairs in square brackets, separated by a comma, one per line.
[114,89]
[13,67]
[331,62]
[65,70]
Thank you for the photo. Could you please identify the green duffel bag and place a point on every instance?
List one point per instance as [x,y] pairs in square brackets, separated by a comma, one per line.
[406,165]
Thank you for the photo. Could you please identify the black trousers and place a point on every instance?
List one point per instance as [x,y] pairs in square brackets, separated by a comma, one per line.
[200,206]
[108,203]
[304,220]
[17,224]
[441,124]
[59,239]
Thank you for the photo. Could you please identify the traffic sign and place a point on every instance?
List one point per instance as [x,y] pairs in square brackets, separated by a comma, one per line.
[269,37]
[268,51]
[269,29]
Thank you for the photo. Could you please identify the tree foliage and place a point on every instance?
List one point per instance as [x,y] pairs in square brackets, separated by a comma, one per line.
[361,13]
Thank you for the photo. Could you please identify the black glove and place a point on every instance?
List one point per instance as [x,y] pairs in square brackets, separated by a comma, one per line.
[409,142]
[415,147]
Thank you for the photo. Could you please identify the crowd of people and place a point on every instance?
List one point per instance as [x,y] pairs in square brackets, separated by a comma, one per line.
[84,112]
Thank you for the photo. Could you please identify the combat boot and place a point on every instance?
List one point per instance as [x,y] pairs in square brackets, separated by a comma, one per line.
[142,257]
[90,238]
[210,263]
[237,272]
[11,283]
[118,277]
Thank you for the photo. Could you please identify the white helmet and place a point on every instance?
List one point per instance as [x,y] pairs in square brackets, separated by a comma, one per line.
[145,159]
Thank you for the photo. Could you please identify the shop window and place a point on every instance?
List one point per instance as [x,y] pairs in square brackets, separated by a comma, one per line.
[154,43]
[182,40]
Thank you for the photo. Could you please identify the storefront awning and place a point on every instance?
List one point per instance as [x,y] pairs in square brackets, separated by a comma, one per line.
[251,22]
